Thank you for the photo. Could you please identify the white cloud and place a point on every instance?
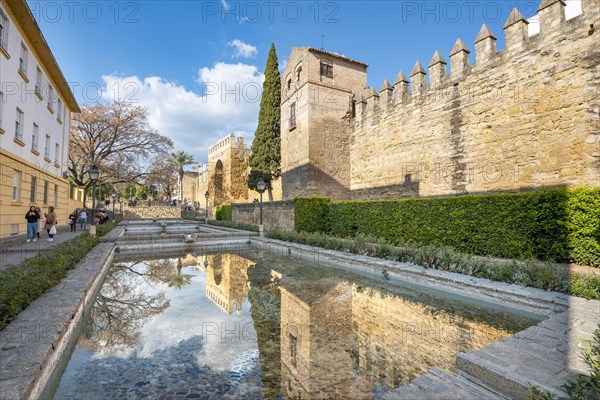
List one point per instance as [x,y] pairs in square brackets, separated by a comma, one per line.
[229,102]
[242,49]
[572,9]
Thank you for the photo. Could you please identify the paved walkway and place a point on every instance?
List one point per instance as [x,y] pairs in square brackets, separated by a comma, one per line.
[15,250]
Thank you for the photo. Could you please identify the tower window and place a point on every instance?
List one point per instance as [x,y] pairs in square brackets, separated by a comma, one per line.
[326,70]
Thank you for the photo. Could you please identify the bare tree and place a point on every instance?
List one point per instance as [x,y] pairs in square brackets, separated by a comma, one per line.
[118,139]
[163,176]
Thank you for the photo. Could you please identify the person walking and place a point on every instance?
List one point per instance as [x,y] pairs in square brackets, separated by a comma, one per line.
[83,219]
[50,222]
[32,218]
[73,220]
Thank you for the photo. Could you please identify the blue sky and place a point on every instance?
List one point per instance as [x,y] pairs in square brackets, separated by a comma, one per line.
[163,55]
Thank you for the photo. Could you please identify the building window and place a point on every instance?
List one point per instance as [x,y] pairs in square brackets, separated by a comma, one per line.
[19,125]
[3,29]
[23,59]
[293,350]
[45,192]
[59,108]
[50,98]
[16,189]
[289,84]
[33,189]
[47,147]
[35,137]
[56,153]
[293,116]
[327,69]
[55,195]
[298,73]
[38,81]
[353,108]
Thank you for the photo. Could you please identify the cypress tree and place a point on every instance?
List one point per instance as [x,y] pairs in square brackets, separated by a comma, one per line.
[265,160]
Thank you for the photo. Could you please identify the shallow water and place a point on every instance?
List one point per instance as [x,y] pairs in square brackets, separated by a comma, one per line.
[249,326]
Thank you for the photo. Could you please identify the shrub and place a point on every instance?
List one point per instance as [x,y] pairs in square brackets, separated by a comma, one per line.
[310,214]
[224,213]
[532,273]
[21,285]
[234,225]
[552,224]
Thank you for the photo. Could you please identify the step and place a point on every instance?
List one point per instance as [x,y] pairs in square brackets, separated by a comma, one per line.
[514,379]
[439,385]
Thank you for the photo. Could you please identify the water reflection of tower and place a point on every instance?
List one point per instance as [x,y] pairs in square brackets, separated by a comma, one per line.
[227,281]
[317,357]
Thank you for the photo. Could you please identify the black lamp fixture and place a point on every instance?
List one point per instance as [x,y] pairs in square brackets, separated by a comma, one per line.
[206,196]
[94,175]
[261,186]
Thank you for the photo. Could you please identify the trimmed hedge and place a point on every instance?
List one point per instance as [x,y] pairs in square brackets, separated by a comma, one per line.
[552,224]
[234,225]
[224,213]
[310,214]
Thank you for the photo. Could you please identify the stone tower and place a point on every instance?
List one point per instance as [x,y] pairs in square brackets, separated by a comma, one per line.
[228,171]
[318,90]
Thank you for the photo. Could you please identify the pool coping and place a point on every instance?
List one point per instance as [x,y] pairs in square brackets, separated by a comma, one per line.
[31,346]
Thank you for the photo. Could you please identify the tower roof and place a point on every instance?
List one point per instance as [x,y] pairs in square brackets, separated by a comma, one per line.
[330,54]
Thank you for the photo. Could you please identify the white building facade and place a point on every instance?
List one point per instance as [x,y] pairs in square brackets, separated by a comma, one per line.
[36,104]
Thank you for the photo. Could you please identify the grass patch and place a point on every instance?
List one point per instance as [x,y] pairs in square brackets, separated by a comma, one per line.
[234,225]
[103,229]
[528,272]
[20,286]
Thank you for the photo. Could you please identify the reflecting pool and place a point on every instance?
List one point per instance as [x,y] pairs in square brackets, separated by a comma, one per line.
[257,326]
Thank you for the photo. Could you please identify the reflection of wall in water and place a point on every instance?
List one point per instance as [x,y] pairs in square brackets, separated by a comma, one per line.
[339,342]
[227,281]
[316,341]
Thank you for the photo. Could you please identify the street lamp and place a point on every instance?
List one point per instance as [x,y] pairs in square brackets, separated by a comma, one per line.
[206,195]
[113,195]
[261,186]
[94,175]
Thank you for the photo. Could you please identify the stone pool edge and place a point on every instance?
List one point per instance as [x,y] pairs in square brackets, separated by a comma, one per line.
[31,346]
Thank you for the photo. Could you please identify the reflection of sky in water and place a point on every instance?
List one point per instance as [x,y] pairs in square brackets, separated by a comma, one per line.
[193,334]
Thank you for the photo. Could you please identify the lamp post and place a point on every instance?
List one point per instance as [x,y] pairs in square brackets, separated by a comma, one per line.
[114,196]
[261,186]
[206,195]
[121,206]
[94,175]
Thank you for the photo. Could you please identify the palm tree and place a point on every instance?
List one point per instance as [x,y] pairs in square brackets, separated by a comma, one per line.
[179,160]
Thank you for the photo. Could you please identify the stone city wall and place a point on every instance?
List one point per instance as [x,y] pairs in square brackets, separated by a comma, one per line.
[520,118]
[276,214]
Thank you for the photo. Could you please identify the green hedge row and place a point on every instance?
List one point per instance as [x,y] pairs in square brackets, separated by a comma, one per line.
[224,213]
[552,224]
[310,213]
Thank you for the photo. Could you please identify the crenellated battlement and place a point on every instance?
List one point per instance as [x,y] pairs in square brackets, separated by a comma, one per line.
[552,20]
[516,119]
[229,142]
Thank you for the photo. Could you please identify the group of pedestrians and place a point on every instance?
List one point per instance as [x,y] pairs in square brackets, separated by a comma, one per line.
[76,216]
[33,216]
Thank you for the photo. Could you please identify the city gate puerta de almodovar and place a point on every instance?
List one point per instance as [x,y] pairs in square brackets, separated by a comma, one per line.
[525,117]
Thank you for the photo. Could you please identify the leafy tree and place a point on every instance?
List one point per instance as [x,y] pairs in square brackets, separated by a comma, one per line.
[115,137]
[179,160]
[265,159]
[141,193]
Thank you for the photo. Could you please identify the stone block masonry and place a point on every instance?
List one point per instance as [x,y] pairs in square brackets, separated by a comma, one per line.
[276,214]
[517,119]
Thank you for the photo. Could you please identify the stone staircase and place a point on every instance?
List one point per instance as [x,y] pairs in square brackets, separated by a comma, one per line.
[546,355]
